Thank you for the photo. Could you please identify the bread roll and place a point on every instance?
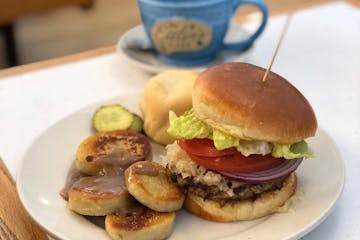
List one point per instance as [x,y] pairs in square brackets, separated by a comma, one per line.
[169,90]
[233,98]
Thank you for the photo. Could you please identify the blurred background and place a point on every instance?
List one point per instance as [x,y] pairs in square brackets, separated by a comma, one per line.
[35,30]
[45,29]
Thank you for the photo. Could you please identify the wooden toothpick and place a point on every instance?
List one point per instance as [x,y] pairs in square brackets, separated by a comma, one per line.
[286,26]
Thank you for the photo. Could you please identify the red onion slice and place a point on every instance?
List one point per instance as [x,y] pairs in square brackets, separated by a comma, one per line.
[271,175]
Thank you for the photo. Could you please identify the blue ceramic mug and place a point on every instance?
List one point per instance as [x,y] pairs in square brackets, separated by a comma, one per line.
[191,32]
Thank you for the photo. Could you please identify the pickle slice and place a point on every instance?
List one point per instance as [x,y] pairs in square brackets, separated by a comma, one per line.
[112,117]
[137,124]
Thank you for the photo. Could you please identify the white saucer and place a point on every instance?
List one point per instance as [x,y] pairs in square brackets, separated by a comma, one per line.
[129,46]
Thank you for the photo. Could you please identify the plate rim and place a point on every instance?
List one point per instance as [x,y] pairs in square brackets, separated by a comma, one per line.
[58,235]
[20,167]
[316,222]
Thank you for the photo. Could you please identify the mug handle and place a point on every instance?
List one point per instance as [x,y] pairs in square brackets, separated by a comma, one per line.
[245,43]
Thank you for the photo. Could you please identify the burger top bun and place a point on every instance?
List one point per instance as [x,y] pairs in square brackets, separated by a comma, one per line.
[233,98]
[168,90]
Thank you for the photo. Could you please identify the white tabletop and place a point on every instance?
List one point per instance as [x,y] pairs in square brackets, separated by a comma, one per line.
[320,55]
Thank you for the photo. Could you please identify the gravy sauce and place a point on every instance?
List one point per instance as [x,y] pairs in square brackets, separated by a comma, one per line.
[133,208]
[110,180]
[73,176]
[118,157]
[101,185]
[146,168]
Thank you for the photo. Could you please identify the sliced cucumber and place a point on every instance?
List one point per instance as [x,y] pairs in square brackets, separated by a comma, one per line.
[112,117]
[137,124]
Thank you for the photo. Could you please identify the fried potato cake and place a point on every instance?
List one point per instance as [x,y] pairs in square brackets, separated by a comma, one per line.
[113,148]
[147,225]
[150,184]
[99,195]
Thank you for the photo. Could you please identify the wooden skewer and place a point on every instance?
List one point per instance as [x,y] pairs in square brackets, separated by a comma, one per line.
[286,26]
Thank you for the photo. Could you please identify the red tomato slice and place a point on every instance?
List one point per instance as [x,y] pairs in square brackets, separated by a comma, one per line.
[203,147]
[238,163]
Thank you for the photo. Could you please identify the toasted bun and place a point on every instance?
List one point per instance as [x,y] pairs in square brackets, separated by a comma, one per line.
[169,90]
[150,225]
[150,184]
[233,98]
[266,204]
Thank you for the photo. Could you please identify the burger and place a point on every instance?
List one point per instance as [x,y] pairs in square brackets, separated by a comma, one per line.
[237,149]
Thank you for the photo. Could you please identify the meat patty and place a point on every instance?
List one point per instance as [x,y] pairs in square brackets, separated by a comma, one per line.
[213,192]
[208,184]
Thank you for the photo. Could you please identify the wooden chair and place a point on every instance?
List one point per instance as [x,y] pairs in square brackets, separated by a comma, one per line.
[11,10]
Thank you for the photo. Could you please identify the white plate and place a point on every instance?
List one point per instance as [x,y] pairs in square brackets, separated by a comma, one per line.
[129,47]
[45,165]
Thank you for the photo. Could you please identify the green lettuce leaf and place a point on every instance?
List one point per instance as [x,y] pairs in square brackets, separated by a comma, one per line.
[223,140]
[290,151]
[187,126]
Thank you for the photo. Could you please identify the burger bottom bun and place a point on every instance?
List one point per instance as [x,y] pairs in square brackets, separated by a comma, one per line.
[264,205]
